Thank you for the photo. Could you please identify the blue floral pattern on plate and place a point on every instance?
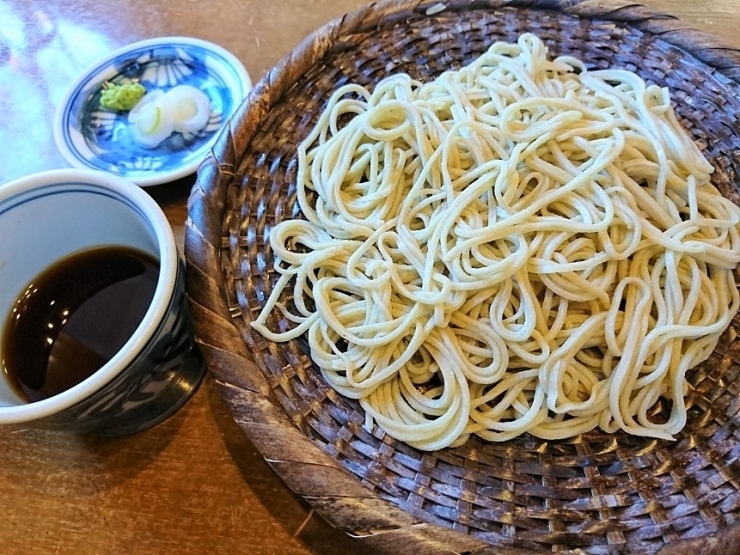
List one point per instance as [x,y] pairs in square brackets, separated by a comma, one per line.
[91,136]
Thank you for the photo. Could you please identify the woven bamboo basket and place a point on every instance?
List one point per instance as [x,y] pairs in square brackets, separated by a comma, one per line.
[597,493]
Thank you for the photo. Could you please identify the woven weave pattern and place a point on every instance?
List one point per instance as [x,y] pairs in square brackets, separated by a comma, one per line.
[598,492]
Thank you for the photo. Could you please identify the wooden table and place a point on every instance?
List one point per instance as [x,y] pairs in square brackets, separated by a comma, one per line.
[193,484]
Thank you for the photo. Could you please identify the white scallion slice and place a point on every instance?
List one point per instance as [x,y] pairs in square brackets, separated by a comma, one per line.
[150,98]
[153,125]
[190,108]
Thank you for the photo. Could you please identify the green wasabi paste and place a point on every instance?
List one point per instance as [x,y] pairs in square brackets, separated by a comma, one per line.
[121,97]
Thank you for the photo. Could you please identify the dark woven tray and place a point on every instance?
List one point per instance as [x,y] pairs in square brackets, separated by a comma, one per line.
[598,493]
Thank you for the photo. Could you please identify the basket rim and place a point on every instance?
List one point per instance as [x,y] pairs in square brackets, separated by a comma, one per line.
[219,339]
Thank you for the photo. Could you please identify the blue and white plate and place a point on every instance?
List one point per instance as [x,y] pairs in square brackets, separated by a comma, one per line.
[89,136]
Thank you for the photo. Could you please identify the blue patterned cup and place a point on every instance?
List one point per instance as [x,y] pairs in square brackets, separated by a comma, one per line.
[48,216]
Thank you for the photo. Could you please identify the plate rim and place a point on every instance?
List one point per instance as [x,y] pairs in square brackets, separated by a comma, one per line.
[156,177]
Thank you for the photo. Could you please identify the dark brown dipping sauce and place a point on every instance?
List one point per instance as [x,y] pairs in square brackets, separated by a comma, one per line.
[74,317]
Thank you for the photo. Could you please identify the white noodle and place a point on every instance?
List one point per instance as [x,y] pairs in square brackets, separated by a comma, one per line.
[517,246]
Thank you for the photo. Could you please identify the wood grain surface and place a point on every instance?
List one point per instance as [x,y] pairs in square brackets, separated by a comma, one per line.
[193,484]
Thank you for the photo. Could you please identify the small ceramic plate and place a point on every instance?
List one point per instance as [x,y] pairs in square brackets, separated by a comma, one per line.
[90,136]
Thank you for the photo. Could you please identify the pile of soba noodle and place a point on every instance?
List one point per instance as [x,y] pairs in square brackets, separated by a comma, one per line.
[521,245]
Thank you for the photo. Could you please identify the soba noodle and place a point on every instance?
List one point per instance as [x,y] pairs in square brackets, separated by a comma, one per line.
[520,245]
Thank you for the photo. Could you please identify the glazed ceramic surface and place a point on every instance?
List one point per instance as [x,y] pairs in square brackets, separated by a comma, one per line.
[91,136]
